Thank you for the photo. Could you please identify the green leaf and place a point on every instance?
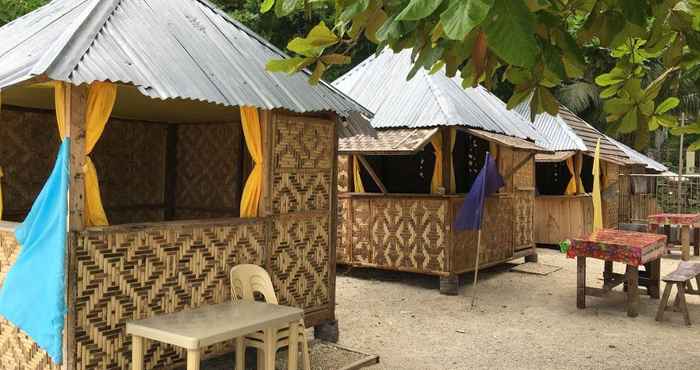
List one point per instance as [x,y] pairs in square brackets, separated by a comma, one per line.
[654,88]
[634,11]
[537,5]
[289,65]
[629,122]
[377,19]
[349,12]
[518,97]
[266,6]
[510,33]
[610,91]
[667,120]
[462,16]
[335,59]
[418,9]
[284,8]
[318,73]
[617,106]
[667,105]
[312,45]
[694,146]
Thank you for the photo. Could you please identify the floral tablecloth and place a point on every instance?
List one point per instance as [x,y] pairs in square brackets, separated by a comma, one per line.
[674,219]
[627,247]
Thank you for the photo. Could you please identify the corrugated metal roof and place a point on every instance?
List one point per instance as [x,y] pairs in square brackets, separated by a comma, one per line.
[379,83]
[567,132]
[169,49]
[639,157]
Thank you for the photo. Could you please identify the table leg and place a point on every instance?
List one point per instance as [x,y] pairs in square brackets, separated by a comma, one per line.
[194,357]
[664,302]
[293,360]
[581,282]
[683,305]
[685,242]
[270,351]
[240,353]
[696,240]
[654,287]
[653,228]
[607,271]
[632,273]
[137,350]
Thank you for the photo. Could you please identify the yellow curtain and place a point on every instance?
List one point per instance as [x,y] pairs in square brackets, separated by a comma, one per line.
[597,201]
[493,150]
[579,169]
[1,175]
[252,192]
[453,141]
[437,182]
[571,187]
[100,102]
[101,98]
[357,179]
[60,104]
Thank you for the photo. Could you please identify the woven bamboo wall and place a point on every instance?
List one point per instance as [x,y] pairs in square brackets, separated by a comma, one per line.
[610,192]
[344,251]
[496,236]
[18,351]
[130,162]
[401,233]
[300,197]
[209,167]
[127,274]
[28,147]
[343,173]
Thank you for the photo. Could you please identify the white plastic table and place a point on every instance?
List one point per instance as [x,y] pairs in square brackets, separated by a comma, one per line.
[196,329]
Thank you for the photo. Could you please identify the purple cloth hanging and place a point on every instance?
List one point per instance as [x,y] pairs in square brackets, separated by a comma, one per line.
[487,183]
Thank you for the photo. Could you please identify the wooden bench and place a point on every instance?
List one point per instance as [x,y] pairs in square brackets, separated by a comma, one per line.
[681,278]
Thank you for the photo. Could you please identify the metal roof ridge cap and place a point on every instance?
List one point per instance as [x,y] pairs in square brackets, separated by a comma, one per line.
[437,96]
[54,62]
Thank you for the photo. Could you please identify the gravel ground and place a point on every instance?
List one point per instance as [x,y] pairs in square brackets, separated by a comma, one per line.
[521,321]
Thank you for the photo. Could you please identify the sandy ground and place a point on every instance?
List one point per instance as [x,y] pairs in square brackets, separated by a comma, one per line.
[521,321]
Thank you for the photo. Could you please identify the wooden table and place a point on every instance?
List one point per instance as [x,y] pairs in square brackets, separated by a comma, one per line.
[684,221]
[196,329]
[628,247]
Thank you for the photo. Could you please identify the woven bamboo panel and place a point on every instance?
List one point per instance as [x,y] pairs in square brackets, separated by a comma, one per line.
[28,147]
[410,234]
[343,173]
[130,162]
[344,241]
[302,161]
[302,144]
[611,198]
[209,166]
[300,261]
[496,236]
[525,176]
[18,350]
[360,231]
[127,274]
[523,220]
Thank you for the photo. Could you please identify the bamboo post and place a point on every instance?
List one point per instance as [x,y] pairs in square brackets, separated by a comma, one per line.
[446,160]
[680,167]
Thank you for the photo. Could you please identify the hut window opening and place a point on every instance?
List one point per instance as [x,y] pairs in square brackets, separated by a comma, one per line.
[401,174]
[468,157]
[553,178]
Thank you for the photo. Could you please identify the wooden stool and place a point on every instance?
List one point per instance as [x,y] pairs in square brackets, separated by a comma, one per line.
[685,272]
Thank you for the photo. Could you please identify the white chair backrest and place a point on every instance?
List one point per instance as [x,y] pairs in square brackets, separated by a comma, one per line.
[246,280]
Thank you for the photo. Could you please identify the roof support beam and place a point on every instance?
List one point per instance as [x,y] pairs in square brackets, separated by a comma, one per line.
[371,172]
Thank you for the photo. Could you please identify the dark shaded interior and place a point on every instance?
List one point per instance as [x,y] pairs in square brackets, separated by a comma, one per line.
[148,172]
[553,178]
[412,174]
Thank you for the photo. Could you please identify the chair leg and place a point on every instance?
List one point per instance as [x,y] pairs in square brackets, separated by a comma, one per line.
[305,351]
[664,302]
[683,305]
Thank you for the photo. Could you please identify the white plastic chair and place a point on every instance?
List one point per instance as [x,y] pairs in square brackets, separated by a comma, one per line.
[246,281]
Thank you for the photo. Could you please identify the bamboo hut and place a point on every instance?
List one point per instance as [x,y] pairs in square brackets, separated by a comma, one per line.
[637,189]
[400,191]
[563,204]
[206,161]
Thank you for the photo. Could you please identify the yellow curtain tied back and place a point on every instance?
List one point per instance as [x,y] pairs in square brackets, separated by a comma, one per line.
[437,182]
[252,192]
[597,201]
[357,178]
[571,187]
[100,102]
